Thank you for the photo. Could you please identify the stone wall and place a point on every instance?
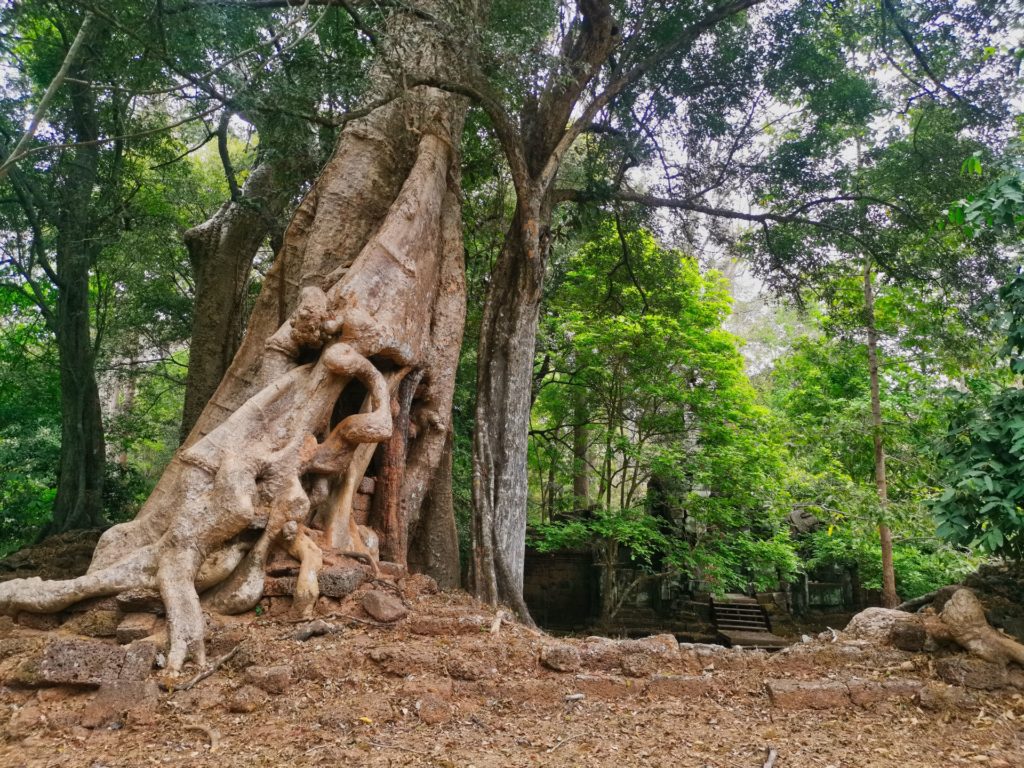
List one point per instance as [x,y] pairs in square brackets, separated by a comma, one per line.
[561,589]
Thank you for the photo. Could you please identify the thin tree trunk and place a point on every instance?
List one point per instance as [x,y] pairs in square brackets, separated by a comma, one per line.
[580,452]
[390,512]
[889,597]
[79,499]
[508,334]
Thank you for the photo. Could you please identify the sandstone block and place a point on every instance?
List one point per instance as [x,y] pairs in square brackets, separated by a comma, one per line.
[135,626]
[813,694]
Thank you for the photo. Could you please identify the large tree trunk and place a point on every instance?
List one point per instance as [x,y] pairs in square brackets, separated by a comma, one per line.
[367,287]
[434,543]
[889,597]
[221,251]
[508,330]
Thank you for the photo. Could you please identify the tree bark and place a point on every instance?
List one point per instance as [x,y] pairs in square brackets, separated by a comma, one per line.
[889,597]
[79,500]
[508,335]
[505,351]
[391,513]
[434,548]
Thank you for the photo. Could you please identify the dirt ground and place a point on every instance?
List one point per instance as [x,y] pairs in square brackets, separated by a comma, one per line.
[447,686]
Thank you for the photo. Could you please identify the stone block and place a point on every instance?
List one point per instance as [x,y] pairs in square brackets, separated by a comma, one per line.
[340,581]
[139,659]
[135,626]
[94,623]
[864,693]
[367,485]
[279,586]
[808,694]
[440,626]
[41,621]
[140,601]
[335,582]
[67,661]
[971,672]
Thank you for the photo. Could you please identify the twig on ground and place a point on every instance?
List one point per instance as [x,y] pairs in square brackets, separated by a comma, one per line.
[564,741]
[194,681]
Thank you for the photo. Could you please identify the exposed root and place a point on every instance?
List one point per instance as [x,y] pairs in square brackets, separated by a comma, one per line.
[245,474]
[310,557]
[962,622]
[965,619]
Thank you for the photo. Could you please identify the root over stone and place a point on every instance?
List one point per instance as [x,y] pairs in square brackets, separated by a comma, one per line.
[280,449]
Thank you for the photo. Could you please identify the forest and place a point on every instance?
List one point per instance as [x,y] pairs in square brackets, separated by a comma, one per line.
[722,298]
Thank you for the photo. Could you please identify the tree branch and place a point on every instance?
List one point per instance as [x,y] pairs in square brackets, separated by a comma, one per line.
[634,73]
[20,150]
[225,156]
[919,57]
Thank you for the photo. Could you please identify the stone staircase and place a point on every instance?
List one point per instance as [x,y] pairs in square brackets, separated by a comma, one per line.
[741,621]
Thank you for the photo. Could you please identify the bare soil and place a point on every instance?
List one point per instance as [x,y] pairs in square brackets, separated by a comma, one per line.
[450,686]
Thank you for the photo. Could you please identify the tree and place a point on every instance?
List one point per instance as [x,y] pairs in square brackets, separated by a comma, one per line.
[980,504]
[369,282]
[646,45]
[364,302]
[685,461]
